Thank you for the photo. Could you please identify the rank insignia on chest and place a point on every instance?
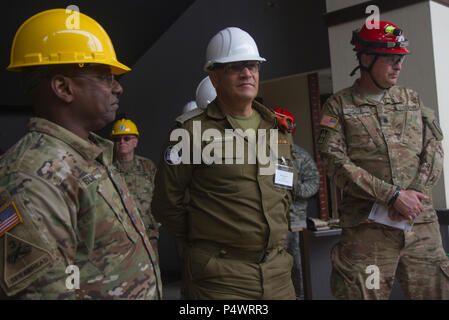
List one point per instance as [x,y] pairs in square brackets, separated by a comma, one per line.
[329,121]
[225,139]
[9,217]
[282,141]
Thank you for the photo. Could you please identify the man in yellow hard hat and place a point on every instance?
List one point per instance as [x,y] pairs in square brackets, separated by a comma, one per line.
[69,228]
[138,173]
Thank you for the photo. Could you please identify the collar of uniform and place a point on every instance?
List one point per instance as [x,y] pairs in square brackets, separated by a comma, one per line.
[360,99]
[106,148]
[392,96]
[268,119]
[214,111]
[89,149]
[128,167]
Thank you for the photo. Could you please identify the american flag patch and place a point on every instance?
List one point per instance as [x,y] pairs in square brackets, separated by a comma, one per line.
[9,217]
[329,121]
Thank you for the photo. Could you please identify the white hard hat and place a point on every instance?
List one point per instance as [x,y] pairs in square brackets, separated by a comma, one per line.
[189,106]
[205,93]
[229,45]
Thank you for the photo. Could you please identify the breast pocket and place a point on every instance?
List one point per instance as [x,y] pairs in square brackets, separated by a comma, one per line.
[220,176]
[412,136]
[363,133]
[144,186]
[104,228]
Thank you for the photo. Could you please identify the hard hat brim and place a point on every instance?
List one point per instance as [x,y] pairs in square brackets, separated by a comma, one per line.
[233,59]
[402,51]
[117,68]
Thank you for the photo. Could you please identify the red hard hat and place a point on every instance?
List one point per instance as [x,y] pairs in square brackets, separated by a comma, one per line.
[286,119]
[387,39]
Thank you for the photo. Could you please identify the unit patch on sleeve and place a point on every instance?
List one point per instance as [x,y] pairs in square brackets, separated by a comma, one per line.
[22,259]
[173,155]
[323,136]
[9,217]
[329,121]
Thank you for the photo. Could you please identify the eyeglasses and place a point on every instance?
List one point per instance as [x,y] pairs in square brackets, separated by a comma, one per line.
[120,138]
[238,67]
[393,59]
[107,78]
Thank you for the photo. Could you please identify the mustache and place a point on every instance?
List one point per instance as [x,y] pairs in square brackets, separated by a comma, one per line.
[244,82]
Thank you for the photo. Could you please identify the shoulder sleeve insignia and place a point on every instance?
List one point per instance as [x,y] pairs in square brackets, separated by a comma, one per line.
[428,116]
[23,259]
[173,155]
[436,130]
[329,121]
[9,217]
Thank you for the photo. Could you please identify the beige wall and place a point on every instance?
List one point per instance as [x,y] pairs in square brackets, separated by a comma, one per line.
[419,68]
[291,93]
[440,25]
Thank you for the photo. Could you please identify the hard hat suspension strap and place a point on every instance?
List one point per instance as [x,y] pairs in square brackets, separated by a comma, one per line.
[369,70]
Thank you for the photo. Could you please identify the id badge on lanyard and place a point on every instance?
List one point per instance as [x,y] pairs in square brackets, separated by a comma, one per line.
[283,175]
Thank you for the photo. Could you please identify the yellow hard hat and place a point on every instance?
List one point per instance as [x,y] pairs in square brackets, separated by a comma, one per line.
[50,38]
[124,126]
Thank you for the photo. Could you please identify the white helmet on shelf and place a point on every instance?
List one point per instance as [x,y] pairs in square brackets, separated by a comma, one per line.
[205,93]
[230,45]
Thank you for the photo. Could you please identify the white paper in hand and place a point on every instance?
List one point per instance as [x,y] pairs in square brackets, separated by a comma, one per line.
[379,214]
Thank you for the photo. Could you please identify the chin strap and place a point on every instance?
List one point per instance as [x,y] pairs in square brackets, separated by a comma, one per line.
[369,72]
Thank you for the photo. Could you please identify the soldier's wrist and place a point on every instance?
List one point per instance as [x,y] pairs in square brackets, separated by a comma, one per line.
[394,197]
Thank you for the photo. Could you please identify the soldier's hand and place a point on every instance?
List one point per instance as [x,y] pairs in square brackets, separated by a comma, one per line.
[409,205]
[395,215]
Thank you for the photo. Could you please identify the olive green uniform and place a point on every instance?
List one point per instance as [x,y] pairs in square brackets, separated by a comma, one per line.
[139,177]
[75,212]
[371,148]
[235,223]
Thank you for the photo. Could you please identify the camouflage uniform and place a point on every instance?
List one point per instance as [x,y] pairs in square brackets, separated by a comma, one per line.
[75,211]
[234,225]
[139,177]
[307,186]
[371,148]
